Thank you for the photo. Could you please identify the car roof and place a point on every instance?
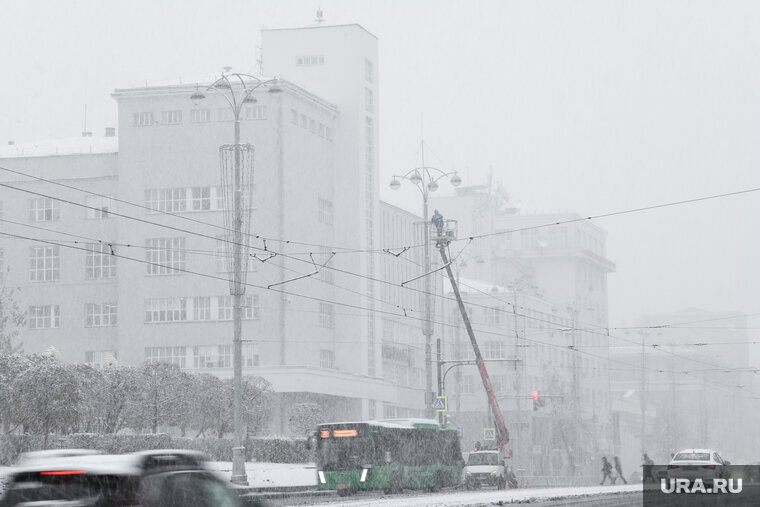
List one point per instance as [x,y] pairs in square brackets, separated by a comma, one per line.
[111,464]
[26,457]
[491,451]
[697,450]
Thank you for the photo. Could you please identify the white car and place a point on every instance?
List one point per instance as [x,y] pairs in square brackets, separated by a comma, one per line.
[692,464]
[484,468]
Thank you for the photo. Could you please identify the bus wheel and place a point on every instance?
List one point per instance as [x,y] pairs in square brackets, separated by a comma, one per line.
[395,483]
[343,492]
[438,482]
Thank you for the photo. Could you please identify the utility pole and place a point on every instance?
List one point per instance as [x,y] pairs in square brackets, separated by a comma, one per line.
[643,393]
[576,390]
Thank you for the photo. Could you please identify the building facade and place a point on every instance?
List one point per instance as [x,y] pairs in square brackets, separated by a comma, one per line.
[542,314]
[147,278]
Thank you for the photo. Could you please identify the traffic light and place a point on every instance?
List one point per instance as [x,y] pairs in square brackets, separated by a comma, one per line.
[536,401]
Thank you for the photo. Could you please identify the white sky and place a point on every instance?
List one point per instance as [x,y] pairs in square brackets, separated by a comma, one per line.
[592,107]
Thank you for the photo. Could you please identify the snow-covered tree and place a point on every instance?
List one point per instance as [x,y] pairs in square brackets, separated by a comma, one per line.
[11,366]
[47,397]
[12,319]
[304,417]
[116,396]
[210,408]
[159,399]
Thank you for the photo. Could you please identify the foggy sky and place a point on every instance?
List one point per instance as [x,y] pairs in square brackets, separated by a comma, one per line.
[588,107]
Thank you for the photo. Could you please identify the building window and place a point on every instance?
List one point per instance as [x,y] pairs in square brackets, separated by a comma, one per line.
[226,114]
[494,315]
[369,71]
[312,125]
[369,142]
[327,359]
[165,310]
[143,119]
[494,350]
[326,316]
[100,358]
[201,198]
[250,355]
[321,129]
[173,117]
[44,317]
[310,60]
[304,121]
[368,100]
[44,209]
[99,261]
[165,256]
[100,314]
[256,113]
[44,264]
[97,206]
[499,383]
[200,115]
[468,384]
[325,211]
[224,308]
[170,355]
[169,200]
[294,117]
[252,308]
[202,308]
[328,133]
[2,265]
[212,356]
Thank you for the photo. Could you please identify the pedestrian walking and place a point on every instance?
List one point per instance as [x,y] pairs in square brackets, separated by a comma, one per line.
[606,471]
[648,464]
[619,469]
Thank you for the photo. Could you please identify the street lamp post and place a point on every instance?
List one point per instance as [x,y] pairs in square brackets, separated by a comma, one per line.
[237,90]
[426,178]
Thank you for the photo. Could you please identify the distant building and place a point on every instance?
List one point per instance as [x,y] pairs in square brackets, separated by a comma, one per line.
[692,359]
[542,297]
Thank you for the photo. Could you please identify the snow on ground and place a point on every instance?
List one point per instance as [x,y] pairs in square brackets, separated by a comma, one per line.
[478,498]
[271,475]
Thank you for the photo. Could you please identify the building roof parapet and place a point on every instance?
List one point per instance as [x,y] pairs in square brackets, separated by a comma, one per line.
[347,25]
[61,147]
[168,88]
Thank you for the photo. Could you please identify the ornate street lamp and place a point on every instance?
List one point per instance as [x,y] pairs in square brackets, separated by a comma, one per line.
[236,163]
[426,179]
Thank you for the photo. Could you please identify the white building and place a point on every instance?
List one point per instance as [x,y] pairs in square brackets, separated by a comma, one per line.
[145,279]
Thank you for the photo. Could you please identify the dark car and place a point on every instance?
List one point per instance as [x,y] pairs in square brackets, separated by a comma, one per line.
[165,478]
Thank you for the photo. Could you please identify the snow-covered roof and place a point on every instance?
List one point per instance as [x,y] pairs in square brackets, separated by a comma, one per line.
[403,423]
[53,147]
[391,423]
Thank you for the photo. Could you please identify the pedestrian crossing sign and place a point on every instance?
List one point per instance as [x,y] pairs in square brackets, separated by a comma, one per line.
[441,404]
[489,433]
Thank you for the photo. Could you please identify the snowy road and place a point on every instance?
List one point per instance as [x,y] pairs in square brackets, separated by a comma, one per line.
[592,495]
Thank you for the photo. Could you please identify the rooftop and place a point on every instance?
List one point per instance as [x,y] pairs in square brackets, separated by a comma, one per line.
[56,147]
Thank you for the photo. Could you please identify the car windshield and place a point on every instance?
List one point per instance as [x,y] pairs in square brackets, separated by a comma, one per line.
[488,458]
[692,456]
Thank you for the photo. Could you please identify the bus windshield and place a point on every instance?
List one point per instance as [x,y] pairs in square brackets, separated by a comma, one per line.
[343,447]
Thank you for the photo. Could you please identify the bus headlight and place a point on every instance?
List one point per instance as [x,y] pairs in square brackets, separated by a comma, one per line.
[364,475]
[321,476]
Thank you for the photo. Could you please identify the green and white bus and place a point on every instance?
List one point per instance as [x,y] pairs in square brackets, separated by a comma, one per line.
[388,454]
